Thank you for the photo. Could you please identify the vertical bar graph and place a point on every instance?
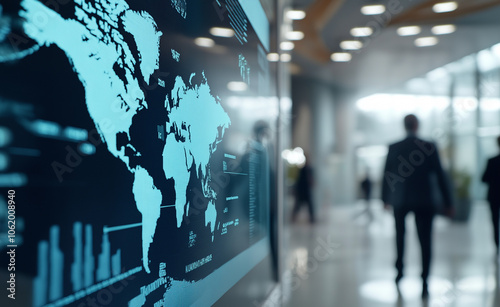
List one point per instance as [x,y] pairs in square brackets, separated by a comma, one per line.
[116,262]
[104,260]
[88,266]
[48,284]
[56,265]
[77,266]
[40,282]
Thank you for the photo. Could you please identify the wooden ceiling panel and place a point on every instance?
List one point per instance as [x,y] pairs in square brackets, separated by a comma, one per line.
[423,13]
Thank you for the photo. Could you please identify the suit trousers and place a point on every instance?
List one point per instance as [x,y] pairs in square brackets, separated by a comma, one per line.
[299,203]
[423,220]
[495,216]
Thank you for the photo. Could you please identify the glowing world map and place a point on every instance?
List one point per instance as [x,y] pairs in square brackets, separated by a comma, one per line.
[111,73]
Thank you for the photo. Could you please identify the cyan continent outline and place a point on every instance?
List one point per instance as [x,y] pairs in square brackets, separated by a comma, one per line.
[96,48]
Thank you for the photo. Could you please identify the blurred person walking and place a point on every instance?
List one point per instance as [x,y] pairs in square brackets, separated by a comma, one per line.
[366,187]
[366,191]
[407,187]
[491,176]
[303,191]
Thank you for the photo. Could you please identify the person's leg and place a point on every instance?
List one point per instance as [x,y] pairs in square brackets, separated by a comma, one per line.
[399,218]
[312,218]
[424,230]
[368,208]
[495,216]
[296,208]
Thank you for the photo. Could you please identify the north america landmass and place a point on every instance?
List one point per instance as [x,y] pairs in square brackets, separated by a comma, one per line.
[112,72]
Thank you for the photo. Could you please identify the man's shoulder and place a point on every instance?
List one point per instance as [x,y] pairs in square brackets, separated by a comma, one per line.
[411,141]
[396,144]
[494,160]
[423,142]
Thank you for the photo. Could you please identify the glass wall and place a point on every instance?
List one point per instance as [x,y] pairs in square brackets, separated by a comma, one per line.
[459,109]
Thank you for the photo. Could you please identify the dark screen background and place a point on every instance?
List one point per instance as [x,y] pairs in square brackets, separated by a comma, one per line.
[96,187]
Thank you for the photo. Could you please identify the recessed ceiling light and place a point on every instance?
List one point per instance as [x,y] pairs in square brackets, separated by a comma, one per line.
[296,15]
[374,9]
[273,57]
[204,42]
[237,86]
[361,31]
[443,29]
[445,7]
[426,41]
[222,32]
[287,46]
[351,45]
[294,35]
[285,57]
[341,57]
[409,30]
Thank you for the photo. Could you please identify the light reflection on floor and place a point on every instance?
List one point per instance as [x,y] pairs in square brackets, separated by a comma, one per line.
[385,291]
[360,273]
[477,284]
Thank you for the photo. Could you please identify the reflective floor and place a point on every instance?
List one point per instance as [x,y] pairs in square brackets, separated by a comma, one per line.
[346,259]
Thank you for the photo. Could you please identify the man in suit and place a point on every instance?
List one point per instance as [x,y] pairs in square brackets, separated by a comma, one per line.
[407,187]
[491,176]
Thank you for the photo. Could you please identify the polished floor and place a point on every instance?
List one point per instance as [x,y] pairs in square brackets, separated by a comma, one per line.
[346,260]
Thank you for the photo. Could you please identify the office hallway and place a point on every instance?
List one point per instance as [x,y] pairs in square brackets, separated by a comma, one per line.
[346,261]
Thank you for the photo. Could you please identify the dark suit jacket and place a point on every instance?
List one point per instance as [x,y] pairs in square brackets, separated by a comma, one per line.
[412,174]
[492,177]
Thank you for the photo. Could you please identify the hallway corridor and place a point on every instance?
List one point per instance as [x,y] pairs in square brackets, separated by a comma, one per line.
[344,260]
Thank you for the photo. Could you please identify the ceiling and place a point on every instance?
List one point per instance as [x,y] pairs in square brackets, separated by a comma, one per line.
[387,59]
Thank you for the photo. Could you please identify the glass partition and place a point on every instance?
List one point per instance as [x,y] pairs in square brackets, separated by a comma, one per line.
[139,151]
[459,108]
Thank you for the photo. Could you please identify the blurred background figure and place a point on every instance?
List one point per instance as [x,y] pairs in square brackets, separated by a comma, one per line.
[303,191]
[491,176]
[407,187]
[366,191]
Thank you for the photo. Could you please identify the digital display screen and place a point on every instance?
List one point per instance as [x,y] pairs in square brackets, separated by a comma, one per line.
[137,152]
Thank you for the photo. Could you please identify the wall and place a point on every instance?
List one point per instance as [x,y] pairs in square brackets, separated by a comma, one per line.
[323,125]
